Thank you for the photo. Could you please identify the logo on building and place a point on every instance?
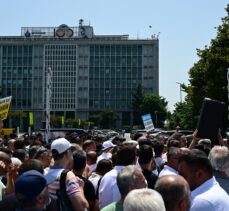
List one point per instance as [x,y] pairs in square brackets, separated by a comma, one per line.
[63,31]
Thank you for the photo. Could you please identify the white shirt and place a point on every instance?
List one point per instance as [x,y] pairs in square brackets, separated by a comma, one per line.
[94,178]
[210,197]
[167,170]
[104,155]
[108,189]
[2,190]
[92,167]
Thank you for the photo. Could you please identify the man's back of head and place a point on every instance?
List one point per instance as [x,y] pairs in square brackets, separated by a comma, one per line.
[145,154]
[126,155]
[219,159]
[129,178]
[175,192]
[195,168]
[143,200]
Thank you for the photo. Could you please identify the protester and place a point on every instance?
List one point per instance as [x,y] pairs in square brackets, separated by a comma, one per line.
[175,192]
[128,178]
[143,200]
[148,164]
[172,162]
[102,168]
[206,192]
[79,164]
[31,190]
[106,148]
[219,158]
[63,160]
[108,190]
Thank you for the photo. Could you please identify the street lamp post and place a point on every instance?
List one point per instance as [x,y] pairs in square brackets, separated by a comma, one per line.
[180,91]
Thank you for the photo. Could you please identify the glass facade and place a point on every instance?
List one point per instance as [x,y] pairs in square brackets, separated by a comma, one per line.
[62,60]
[18,75]
[114,72]
[87,74]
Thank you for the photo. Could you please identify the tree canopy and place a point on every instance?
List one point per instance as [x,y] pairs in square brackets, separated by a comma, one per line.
[208,76]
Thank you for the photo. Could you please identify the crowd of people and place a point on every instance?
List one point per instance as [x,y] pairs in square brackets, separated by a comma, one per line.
[91,173]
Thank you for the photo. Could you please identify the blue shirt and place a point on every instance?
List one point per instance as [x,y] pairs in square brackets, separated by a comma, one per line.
[209,197]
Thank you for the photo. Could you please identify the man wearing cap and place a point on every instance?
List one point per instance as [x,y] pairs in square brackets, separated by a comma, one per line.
[31,191]
[63,160]
[107,146]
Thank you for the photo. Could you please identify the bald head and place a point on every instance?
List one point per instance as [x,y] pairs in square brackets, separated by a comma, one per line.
[175,192]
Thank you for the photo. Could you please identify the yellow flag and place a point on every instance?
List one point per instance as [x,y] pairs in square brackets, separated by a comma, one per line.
[79,122]
[30,118]
[4,107]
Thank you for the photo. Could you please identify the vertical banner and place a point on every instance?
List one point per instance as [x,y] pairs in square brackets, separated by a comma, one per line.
[4,107]
[62,120]
[30,118]
[148,123]
[79,122]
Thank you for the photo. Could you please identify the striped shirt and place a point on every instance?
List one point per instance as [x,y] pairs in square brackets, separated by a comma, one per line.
[52,175]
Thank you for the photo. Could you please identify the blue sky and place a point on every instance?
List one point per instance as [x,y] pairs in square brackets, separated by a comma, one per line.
[184,26]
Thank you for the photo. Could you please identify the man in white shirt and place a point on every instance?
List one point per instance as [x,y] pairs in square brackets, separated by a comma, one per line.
[108,189]
[172,162]
[206,192]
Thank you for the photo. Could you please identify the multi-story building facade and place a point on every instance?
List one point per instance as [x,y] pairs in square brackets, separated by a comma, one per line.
[89,72]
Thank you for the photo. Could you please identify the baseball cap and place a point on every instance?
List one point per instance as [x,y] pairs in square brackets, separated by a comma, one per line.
[107,144]
[30,184]
[60,145]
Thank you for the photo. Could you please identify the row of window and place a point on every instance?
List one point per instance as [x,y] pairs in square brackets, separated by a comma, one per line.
[116,49]
[114,104]
[116,61]
[17,50]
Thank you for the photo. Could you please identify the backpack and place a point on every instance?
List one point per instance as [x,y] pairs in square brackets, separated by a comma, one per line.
[63,201]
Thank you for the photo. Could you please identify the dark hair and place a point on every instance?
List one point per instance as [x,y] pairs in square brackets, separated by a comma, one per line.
[145,154]
[56,156]
[103,166]
[20,154]
[79,158]
[173,153]
[126,155]
[196,159]
[31,164]
[158,148]
[32,151]
[19,144]
[40,151]
[173,143]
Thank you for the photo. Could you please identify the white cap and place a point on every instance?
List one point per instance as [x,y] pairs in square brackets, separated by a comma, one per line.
[107,144]
[60,145]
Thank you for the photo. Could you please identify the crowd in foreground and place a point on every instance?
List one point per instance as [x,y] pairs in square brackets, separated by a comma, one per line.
[91,173]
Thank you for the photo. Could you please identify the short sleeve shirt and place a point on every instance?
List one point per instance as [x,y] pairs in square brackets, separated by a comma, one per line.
[52,176]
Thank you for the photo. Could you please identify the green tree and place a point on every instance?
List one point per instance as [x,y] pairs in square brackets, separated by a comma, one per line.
[207,77]
[156,106]
[17,117]
[136,105]
[104,119]
[108,119]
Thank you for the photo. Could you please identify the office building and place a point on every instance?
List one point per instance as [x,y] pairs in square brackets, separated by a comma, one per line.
[89,72]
